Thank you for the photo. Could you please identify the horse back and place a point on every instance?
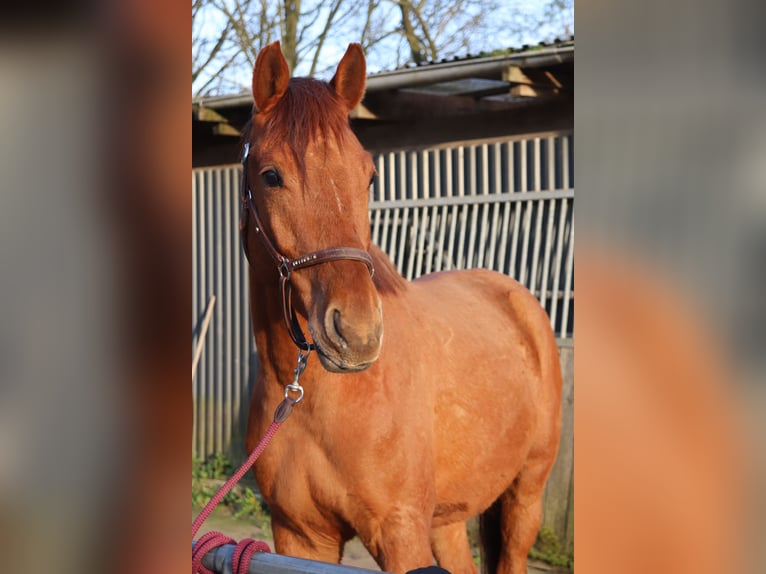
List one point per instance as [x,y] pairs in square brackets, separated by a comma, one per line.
[490,314]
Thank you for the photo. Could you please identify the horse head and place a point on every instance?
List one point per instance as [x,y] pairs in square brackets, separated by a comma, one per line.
[309,181]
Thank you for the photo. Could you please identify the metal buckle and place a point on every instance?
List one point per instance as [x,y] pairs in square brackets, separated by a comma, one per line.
[245,152]
[284,268]
[294,386]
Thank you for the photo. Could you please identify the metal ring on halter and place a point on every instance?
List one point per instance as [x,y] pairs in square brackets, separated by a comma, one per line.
[296,389]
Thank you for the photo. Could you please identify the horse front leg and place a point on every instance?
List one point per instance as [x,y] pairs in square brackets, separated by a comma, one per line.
[452,548]
[399,541]
[324,547]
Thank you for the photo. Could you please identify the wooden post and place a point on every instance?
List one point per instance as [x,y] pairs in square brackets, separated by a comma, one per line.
[202,334]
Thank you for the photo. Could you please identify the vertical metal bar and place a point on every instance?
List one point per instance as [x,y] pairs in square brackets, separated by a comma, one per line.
[219,358]
[429,219]
[226,324]
[208,351]
[557,291]
[453,219]
[518,210]
[383,187]
[481,256]
[493,232]
[405,215]
[568,282]
[247,340]
[443,216]
[437,218]
[374,192]
[464,210]
[195,306]
[548,245]
[570,244]
[420,168]
[201,371]
[200,291]
[538,206]
[505,230]
[392,179]
[236,299]
[526,224]
[234,331]
[471,258]
[415,231]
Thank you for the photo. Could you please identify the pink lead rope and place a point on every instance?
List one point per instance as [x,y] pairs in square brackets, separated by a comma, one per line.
[240,560]
[246,548]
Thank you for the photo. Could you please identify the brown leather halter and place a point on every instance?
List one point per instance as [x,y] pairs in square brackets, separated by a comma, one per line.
[285,266]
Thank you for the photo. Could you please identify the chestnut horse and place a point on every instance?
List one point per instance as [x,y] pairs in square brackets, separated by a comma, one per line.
[432,401]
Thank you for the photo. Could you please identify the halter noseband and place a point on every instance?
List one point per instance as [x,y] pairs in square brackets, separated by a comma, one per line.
[285,266]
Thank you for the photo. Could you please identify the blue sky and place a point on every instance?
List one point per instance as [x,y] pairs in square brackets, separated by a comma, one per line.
[511,25]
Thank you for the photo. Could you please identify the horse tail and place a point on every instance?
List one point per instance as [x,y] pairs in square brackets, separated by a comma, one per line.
[490,538]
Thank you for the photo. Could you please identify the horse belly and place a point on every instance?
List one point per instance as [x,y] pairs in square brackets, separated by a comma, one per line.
[476,463]
[494,398]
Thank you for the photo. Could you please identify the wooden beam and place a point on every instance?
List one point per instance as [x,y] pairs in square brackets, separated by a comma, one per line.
[207,115]
[212,120]
[225,130]
[553,79]
[361,112]
[526,91]
[548,79]
[516,75]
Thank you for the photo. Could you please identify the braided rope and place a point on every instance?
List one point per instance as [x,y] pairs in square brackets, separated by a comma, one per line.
[246,548]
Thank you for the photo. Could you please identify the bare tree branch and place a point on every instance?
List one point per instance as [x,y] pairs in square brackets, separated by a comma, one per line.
[228,34]
[323,35]
[212,54]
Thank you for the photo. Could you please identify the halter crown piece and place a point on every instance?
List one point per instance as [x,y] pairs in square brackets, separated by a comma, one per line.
[285,266]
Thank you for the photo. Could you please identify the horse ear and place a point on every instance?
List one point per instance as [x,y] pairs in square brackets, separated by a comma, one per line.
[270,77]
[350,77]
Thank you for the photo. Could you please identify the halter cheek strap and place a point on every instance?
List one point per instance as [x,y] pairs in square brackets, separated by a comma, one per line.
[285,266]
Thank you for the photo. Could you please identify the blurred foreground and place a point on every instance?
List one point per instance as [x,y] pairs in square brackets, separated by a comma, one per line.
[95,408]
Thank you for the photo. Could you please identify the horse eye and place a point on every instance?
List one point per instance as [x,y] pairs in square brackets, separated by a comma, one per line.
[272,178]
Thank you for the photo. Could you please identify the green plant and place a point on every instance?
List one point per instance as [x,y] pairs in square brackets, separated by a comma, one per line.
[242,501]
[249,505]
[215,466]
[548,549]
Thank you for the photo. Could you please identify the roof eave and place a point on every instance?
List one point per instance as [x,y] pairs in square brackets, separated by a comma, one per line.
[448,71]
[431,73]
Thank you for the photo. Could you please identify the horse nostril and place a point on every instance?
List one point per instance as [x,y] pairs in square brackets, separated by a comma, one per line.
[337,326]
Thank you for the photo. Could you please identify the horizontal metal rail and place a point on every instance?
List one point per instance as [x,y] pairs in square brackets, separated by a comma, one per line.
[473,199]
[219,560]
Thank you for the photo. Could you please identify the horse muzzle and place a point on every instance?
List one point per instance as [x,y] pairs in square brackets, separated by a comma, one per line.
[348,342]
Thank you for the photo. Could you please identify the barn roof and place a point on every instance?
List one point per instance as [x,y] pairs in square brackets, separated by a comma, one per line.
[525,86]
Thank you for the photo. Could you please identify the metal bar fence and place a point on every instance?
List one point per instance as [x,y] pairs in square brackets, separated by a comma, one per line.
[506,206]
[219,267]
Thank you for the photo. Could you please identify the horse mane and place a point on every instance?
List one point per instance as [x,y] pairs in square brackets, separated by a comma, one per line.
[386,279]
[309,110]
